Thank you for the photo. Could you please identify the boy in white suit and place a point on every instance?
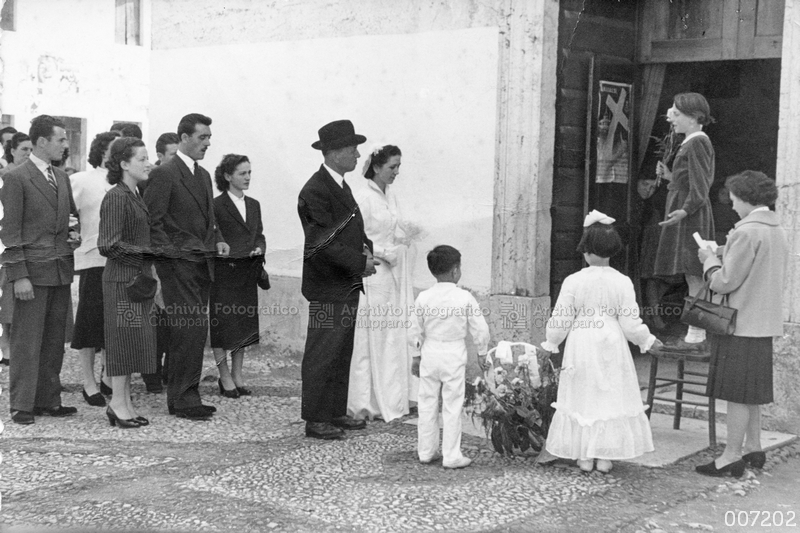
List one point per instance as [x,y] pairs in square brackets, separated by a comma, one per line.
[443,315]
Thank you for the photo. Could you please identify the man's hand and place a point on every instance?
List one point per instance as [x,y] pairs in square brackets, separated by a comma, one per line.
[415,366]
[223,250]
[657,345]
[674,217]
[371,263]
[663,172]
[23,289]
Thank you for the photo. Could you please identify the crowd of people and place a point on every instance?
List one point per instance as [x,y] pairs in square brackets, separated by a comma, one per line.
[155,249]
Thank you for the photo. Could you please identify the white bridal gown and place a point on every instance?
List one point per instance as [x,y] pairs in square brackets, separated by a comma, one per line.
[599,410]
[381,383]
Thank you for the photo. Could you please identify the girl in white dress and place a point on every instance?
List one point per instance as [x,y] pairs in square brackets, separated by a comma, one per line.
[599,411]
[381,384]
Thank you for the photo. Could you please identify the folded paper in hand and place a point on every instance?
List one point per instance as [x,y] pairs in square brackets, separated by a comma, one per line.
[704,243]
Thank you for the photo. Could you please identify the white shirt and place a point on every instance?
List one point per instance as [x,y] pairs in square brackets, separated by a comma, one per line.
[695,134]
[443,314]
[186,159]
[239,203]
[335,175]
[41,165]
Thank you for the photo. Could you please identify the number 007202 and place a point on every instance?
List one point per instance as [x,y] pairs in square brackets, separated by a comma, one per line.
[761,518]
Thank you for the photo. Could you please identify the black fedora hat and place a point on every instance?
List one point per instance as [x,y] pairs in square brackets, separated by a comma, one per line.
[337,134]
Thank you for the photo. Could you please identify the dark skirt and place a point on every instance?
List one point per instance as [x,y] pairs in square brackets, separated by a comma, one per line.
[130,332]
[88,331]
[741,369]
[233,308]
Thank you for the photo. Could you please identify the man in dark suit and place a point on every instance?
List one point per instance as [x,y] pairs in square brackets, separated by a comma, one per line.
[184,230]
[337,255]
[37,205]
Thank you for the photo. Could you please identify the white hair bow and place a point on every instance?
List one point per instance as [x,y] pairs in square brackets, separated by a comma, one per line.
[597,216]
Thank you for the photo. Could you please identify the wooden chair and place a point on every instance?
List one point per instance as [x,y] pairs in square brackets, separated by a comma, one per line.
[679,381]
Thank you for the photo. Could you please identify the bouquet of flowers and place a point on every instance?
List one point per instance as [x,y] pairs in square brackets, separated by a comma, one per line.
[514,397]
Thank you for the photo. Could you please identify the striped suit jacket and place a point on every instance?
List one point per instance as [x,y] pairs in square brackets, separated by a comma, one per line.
[124,236]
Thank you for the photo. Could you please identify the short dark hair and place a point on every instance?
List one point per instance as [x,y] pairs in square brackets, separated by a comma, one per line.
[166,139]
[601,240]
[13,144]
[228,166]
[753,187]
[122,149]
[188,123]
[127,129]
[380,158]
[100,145]
[442,259]
[7,129]
[695,105]
[42,126]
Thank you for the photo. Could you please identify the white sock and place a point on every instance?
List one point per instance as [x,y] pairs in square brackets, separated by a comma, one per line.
[695,335]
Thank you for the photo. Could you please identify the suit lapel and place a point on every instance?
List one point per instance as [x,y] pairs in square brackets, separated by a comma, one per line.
[231,207]
[195,185]
[342,194]
[251,215]
[40,182]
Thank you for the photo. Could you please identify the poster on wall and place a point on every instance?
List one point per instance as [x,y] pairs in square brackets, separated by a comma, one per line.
[613,132]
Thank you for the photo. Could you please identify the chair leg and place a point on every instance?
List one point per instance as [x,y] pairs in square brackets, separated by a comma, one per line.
[676,421]
[651,384]
[712,421]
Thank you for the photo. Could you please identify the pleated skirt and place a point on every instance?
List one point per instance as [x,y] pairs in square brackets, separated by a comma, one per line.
[89,331]
[130,332]
[741,369]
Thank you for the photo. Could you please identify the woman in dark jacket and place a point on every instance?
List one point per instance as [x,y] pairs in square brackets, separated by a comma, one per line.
[124,239]
[751,274]
[234,293]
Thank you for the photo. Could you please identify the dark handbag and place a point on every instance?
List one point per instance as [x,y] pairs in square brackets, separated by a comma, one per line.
[713,317]
[263,279]
[142,287]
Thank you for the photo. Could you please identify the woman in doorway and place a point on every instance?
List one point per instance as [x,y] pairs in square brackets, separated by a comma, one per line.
[381,384]
[17,151]
[124,240]
[88,189]
[688,207]
[234,293]
[751,273]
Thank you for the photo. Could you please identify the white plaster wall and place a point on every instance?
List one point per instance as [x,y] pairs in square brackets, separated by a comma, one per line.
[433,94]
[63,60]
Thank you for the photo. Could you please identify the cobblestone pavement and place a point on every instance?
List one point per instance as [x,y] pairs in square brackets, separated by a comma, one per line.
[251,469]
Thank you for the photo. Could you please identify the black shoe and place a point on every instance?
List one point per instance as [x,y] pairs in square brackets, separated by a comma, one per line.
[243,391]
[755,459]
[233,393]
[57,412]
[105,389]
[323,430]
[95,400]
[736,469]
[22,417]
[142,421]
[193,413]
[4,361]
[121,423]
[346,422]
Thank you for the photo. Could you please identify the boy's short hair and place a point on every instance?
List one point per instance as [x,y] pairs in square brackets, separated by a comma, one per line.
[601,240]
[442,259]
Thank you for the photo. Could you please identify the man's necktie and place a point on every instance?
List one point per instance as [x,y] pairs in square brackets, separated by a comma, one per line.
[196,169]
[51,179]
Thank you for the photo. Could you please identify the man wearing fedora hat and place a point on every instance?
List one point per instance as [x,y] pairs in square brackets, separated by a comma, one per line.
[337,255]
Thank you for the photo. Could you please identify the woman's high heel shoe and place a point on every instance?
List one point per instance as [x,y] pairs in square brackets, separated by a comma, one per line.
[736,469]
[142,421]
[755,459]
[243,391]
[114,420]
[95,400]
[233,393]
[105,389]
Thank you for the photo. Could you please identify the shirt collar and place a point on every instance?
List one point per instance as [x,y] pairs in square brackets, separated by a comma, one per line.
[335,175]
[41,165]
[234,197]
[762,208]
[186,159]
[695,134]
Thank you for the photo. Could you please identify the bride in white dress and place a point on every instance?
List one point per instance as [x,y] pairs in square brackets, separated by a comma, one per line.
[381,383]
